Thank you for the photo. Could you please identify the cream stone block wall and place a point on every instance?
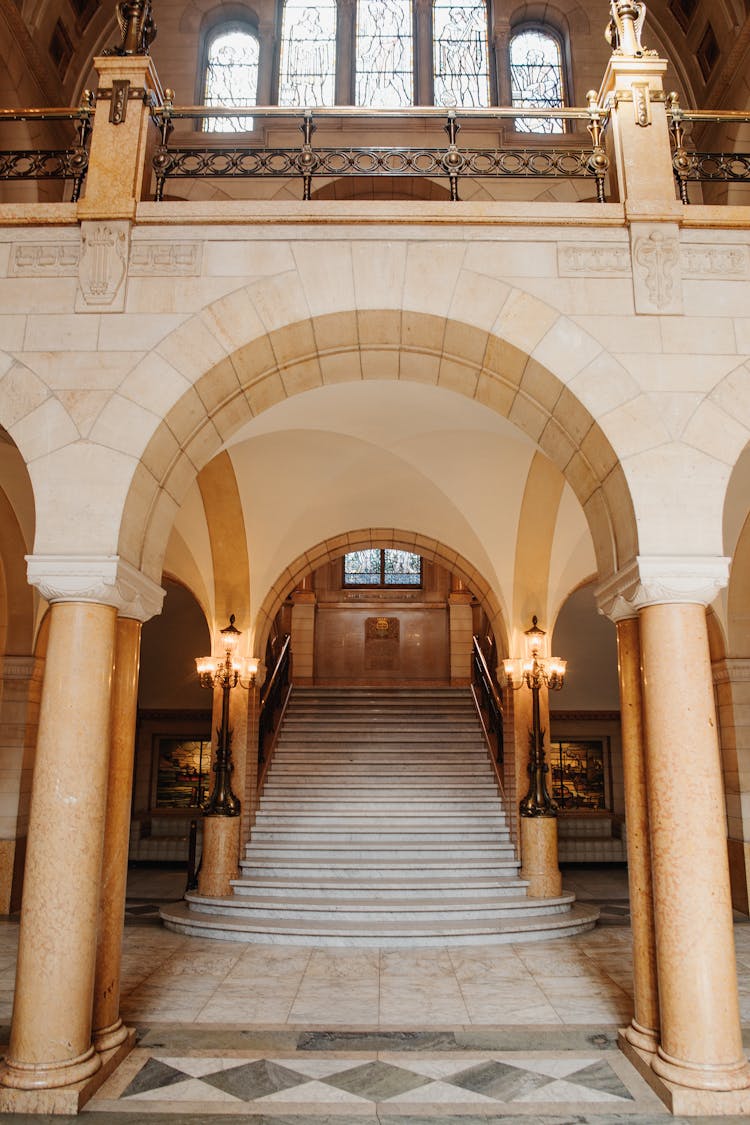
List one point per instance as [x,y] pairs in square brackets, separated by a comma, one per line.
[511,316]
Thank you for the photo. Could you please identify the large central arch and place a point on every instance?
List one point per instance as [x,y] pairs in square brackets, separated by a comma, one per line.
[375,344]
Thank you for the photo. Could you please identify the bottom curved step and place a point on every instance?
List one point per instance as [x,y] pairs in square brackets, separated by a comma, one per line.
[331,932]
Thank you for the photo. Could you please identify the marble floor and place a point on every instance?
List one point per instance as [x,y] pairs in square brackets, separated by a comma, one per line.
[283,1035]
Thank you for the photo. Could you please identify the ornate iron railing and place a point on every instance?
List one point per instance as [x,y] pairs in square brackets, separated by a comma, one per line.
[306,161]
[704,167]
[51,164]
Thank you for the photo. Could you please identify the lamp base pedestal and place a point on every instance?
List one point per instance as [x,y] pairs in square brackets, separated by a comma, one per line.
[221,851]
[539,856]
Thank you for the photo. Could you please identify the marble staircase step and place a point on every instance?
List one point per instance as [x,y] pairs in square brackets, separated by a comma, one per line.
[324,886]
[182,918]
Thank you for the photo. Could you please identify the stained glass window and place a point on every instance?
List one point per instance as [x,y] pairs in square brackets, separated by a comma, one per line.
[536,78]
[231,76]
[384,53]
[308,54]
[462,71]
[388,567]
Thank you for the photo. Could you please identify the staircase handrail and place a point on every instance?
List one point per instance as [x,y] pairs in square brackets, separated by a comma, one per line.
[271,709]
[488,699]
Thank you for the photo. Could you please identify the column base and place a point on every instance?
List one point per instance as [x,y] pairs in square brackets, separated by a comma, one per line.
[109,1037]
[221,853]
[684,1100]
[539,856]
[643,1037]
[67,1099]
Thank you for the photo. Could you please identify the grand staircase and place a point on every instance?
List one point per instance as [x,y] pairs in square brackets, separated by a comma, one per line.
[380,825]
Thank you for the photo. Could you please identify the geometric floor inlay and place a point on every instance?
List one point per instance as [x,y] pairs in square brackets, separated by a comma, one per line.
[497,1079]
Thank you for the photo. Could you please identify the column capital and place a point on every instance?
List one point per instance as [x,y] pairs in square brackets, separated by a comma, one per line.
[659,579]
[104,579]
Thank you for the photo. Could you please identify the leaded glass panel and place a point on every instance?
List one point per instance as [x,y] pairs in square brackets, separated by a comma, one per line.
[536,78]
[386,567]
[384,53]
[231,77]
[308,54]
[402,568]
[462,72]
[362,568]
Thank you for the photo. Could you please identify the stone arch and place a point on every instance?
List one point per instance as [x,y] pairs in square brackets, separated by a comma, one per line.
[331,549]
[234,380]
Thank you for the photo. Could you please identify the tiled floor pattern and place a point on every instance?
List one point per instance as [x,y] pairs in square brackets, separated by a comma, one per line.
[287,1035]
[331,1083]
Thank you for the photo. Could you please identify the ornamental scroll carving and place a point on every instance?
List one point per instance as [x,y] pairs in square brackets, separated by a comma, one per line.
[103,266]
[716,261]
[657,277]
[165,259]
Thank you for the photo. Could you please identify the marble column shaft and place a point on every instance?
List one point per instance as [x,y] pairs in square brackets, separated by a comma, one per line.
[701,1042]
[50,1042]
[643,1030]
[108,1028]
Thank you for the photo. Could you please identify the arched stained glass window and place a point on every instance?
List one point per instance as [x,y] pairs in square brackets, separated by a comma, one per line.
[231,76]
[308,54]
[384,53]
[378,567]
[459,37]
[536,78]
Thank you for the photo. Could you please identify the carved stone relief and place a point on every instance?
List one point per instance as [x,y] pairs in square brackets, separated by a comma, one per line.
[708,260]
[103,266]
[165,259]
[44,259]
[604,260]
[657,276]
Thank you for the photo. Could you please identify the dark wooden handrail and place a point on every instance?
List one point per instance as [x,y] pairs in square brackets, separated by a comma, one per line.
[488,700]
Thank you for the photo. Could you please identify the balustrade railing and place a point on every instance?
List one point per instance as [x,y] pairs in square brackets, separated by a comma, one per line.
[68,164]
[704,167]
[199,159]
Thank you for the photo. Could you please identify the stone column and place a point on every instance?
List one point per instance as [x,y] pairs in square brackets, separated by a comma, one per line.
[50,1043]
[266,61]
[501,47]
[643,1031]
[699,1067]
[701,1041]
[108,1029]
[424,84]
[345,52]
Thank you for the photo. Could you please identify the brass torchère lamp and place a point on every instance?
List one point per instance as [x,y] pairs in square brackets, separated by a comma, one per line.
[536,670]
[226,673]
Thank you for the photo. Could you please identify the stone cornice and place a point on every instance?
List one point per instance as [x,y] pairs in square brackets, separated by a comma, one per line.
[103,579]
[659,580]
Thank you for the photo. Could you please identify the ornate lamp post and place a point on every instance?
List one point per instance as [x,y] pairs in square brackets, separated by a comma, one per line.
[226,673]
[536,671]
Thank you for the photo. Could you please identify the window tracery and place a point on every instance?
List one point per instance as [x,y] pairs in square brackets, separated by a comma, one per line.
[231,75]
